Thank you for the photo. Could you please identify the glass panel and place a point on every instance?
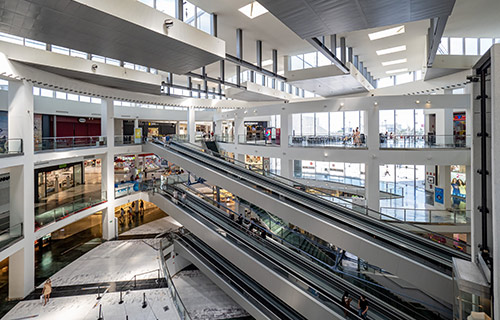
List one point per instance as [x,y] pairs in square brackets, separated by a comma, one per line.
[457,46]
[323,61]
[166,6]
[351,122]
[79,54]
[419,122]
[204,21]
[61,95]
[308,124]
[60,50]
[46,93]
[84,99]
[36,91]
[386,121]
[113,62]
[72,97]
[404,122]
[189,11]
[485,44]
[310,60]
[322,123]
[296,63]
[471,47]
[336,123]
[98,58]
[10,38]
[443,46]
[35,44]
[404,78]
[296,124]
[385,82]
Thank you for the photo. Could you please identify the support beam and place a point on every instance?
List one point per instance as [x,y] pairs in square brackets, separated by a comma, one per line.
[179,9]
[190,86]
[275,66]
[239,54]
[333,43]
[356,61]
[328,54]
[259,59]
[349,54]
[214,31]
[434,34]
[251,66]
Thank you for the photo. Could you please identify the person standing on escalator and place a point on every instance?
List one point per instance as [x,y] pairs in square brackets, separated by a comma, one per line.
[346,303]
[363,307]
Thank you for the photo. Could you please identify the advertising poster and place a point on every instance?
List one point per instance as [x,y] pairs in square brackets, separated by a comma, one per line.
[138,135]
[439,195]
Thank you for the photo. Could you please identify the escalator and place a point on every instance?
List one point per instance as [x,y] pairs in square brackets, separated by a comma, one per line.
[313,290]
[419,261]
[258,301]
[211,145]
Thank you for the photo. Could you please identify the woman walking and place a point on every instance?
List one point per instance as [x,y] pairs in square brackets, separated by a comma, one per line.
[46,291]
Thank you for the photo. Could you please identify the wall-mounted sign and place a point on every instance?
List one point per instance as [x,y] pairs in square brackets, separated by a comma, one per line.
[82,120]
[138,135]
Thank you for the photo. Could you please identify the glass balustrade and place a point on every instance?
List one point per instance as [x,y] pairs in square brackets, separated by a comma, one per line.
[424,141]
[427,216]
[123,140]
[258,140]
[10,235]
[55,143]
[45,218]
[11,146]
[338,141]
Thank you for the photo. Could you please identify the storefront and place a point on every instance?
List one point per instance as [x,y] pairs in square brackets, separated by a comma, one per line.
[255,129]
[51,180]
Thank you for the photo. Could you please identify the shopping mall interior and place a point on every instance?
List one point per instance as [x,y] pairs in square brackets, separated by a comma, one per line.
[241,159]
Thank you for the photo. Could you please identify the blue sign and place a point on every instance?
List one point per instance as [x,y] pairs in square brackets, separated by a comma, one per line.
[439,195]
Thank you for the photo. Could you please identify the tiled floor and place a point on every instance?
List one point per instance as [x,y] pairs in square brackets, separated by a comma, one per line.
[203,299]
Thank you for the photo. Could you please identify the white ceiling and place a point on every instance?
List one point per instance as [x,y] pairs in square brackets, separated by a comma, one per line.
[474,18]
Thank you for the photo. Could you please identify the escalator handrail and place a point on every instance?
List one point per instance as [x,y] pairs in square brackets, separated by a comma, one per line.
[278,177]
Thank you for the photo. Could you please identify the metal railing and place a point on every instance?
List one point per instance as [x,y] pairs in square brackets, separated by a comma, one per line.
[174,294]
[260,141]
[424,141]
[45,218]
[11,146]
[11,235]
[427,216]
[54,143]
[337,141]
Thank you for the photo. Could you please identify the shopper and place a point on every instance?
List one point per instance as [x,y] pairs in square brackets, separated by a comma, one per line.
[346,303]
[142,207]
[46,291]
[363,307]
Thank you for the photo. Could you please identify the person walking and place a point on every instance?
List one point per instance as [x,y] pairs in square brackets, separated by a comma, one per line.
[142,207]
[46,291]
[363,307]
[346,303]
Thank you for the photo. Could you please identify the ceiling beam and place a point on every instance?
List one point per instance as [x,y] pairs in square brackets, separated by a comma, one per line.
[434,34]
[318,45]
[253,67]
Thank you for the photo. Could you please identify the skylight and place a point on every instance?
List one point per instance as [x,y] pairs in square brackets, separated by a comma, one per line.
[397,71]
[253,10]
[267,62]
[390,63]
[386,33]
[391,50]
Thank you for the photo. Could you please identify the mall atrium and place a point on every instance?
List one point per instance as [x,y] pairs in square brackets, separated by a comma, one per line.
[239,159]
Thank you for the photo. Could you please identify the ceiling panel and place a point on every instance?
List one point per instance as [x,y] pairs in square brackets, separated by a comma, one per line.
[71,24]
[313,18]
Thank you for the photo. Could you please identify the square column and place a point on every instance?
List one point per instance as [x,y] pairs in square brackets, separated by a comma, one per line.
[22,188]
[372,174]
[191,125]
[238,129]
[108,169]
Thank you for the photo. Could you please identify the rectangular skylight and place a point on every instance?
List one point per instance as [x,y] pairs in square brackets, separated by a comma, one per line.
[253,10]
[390,63]
[391,50]
[267,62]
[397,71]
[386,33]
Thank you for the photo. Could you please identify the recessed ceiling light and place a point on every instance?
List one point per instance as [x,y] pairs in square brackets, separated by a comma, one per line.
[397,71]
[391,50]
[253,10]
[267,62]
[386,33]
[390,63]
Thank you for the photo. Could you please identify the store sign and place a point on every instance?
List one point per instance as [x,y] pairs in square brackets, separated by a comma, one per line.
[61,166]
[439,195]
[82,120]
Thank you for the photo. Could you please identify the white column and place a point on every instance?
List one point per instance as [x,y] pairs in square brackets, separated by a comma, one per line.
[108,169]
[238,128]
[22,188]
[286,167]
[191,124]
[372,175]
